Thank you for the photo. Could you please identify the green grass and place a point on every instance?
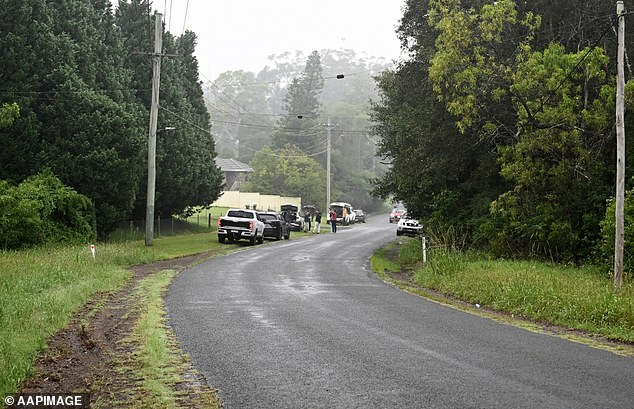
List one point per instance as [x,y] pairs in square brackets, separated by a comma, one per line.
[381,260]
[158,365]
[40,290]
[576,298]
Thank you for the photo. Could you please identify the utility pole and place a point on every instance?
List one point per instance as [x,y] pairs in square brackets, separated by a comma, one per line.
[151,149]
[328,148]
[620,148]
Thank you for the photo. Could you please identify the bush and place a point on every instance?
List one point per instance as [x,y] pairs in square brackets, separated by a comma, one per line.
[42,210]
[608,232]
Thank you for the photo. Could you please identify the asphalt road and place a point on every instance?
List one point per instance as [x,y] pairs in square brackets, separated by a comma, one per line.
[305,324]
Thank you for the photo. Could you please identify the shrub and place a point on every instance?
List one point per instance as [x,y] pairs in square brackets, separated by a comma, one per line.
[608,232]
[43,210]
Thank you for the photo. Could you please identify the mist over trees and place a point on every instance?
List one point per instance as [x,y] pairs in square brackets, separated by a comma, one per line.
[289,103]
[500,123]
[75,94]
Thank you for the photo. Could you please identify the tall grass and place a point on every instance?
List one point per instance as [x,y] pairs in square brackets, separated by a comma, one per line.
[577,298]
[40,289]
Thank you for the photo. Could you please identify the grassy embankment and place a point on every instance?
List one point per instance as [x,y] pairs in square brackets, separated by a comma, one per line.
[575,298]
[40,289]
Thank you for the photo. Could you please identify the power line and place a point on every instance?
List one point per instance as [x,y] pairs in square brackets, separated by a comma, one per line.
[187,121]
[185,19]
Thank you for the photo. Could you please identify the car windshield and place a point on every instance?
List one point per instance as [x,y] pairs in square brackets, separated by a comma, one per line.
[268,217]
[240,214]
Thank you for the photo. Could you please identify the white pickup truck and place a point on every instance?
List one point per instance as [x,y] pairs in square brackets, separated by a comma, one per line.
[239,224]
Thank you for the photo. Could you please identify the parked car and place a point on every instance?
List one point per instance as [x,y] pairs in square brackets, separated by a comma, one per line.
[396,214]
[239,224]
[360,215]
[408,226]
[275,226]
[289,213]
[345,215]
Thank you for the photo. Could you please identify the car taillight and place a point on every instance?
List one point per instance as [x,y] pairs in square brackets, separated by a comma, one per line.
[251,225]
[219,222]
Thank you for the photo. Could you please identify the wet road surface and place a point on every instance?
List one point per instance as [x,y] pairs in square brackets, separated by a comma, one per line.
[305,324]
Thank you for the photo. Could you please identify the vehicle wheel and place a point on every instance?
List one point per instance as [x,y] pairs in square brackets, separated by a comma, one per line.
[221,239]
[260,239]
[278,236]
[252,240]
[288,236]
[398,233]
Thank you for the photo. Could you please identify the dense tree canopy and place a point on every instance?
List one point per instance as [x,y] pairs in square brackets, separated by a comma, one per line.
[80,75]
[501,122]
[287,172]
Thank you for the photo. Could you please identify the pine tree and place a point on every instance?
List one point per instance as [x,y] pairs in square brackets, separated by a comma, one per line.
[301,124]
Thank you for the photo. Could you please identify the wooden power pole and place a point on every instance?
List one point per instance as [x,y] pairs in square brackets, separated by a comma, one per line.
[328,148]
[620,148]
[151,147]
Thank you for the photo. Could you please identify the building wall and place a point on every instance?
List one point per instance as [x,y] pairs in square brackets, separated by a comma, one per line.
[261,202]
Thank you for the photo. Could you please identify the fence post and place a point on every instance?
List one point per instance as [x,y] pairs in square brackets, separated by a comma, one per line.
[424,249]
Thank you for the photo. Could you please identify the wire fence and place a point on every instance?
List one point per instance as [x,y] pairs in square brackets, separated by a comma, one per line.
[131,230]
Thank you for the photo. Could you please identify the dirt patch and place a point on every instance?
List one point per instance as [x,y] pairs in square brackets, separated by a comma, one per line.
[84,357]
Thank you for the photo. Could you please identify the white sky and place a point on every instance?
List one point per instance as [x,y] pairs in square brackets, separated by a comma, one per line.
[241,34]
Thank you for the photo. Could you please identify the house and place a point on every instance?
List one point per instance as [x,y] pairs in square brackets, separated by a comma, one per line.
[234,172]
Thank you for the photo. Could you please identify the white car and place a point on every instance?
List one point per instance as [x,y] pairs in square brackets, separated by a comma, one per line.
[409,227]
[241,224]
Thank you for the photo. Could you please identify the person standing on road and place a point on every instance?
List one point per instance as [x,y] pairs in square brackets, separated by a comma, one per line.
[307,221]
[317,222]
[333,221]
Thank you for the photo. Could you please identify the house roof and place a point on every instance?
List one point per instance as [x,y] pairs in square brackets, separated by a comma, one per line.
[232,165]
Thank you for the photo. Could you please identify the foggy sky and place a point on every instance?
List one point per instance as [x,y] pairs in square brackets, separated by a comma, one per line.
[241,34]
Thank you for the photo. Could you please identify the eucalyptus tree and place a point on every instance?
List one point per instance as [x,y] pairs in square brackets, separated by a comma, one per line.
[445,176]
[529,91]
[561,103]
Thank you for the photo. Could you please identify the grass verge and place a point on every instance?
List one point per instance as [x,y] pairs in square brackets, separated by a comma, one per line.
[575,298]
[158,363]
[41,289]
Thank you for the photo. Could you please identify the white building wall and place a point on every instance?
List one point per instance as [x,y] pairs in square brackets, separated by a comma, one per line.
[241,200]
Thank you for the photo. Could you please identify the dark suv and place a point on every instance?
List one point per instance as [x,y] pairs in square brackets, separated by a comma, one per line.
[275,226]
[290,215]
